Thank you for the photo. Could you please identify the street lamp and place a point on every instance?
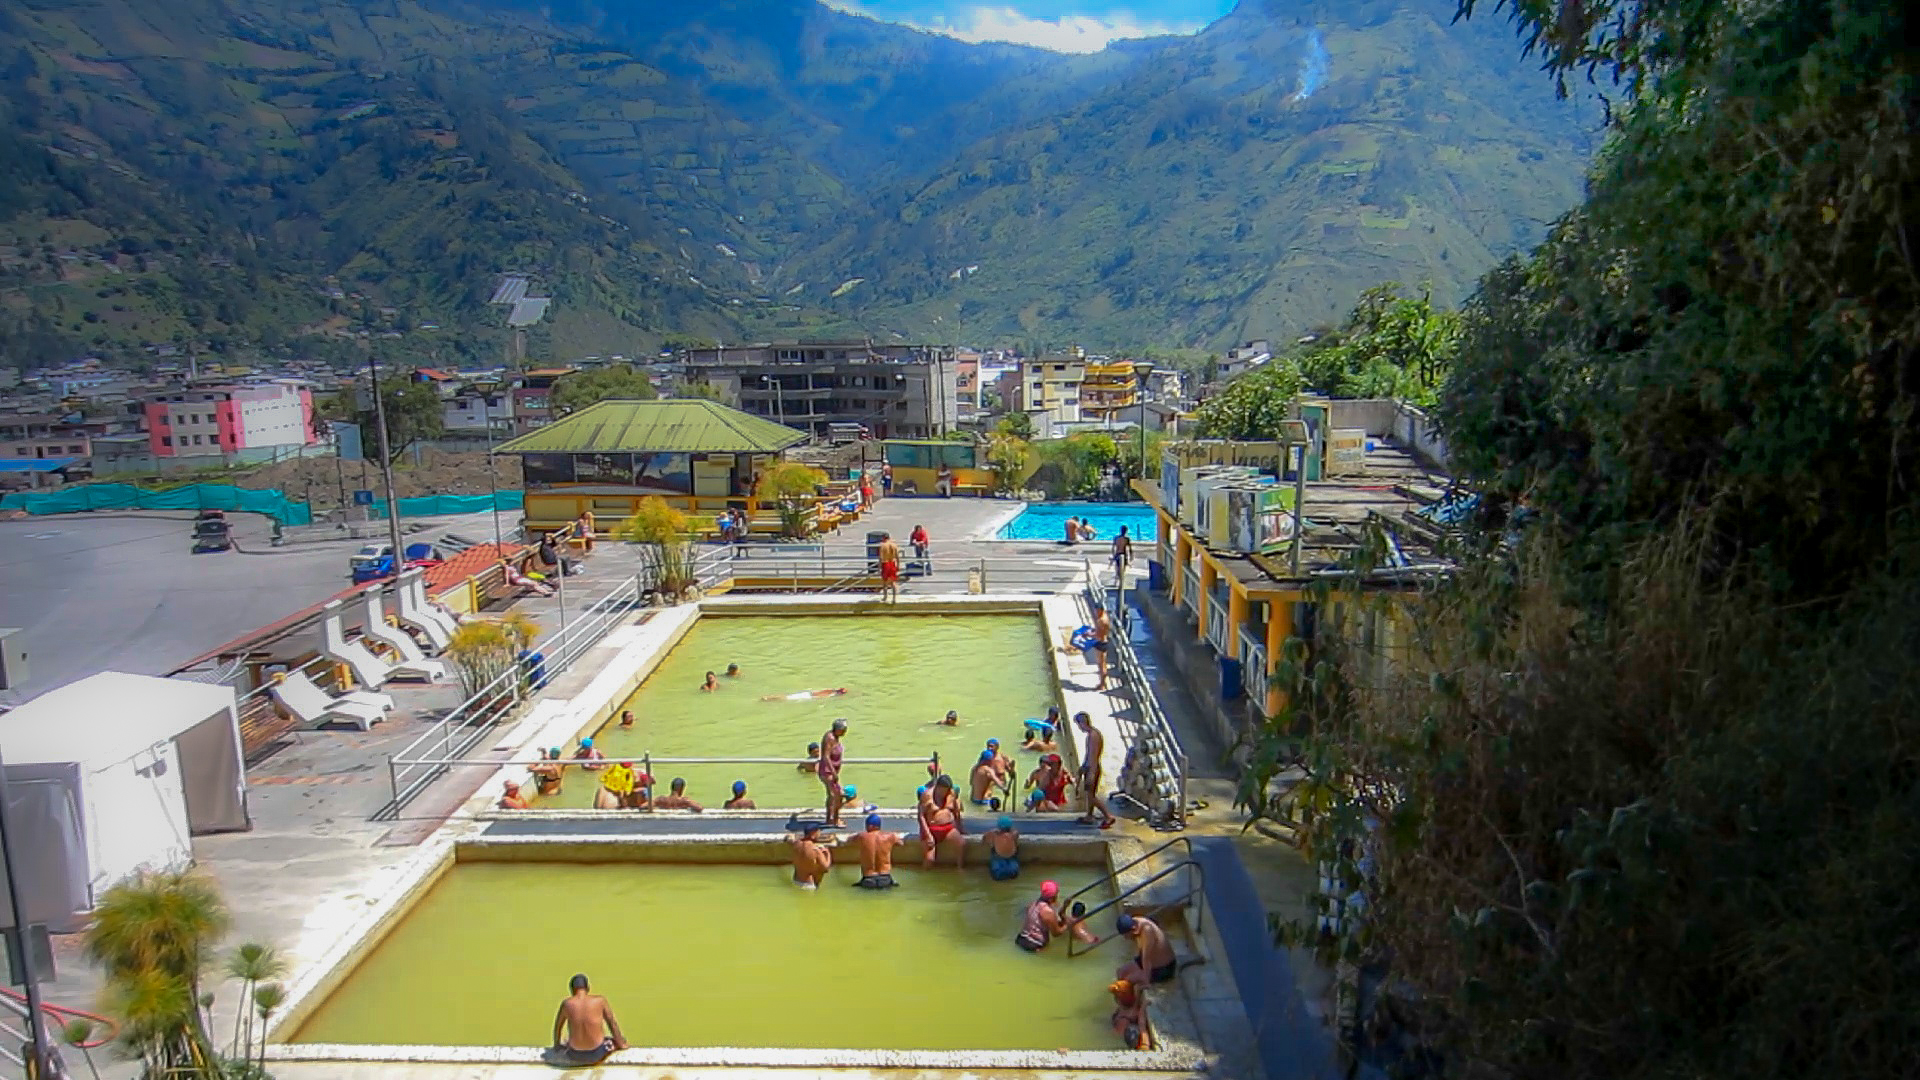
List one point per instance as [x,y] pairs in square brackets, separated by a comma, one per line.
[1142,370]
[779,402]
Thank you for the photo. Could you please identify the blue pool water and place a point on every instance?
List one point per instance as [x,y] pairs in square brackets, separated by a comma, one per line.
[1048,521]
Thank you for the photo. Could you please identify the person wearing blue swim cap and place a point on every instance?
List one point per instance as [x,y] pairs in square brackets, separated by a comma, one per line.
[983,778]
[739,800]
[1153,960]
[1003,849]
[1002,764]
[588,756]
[876,854]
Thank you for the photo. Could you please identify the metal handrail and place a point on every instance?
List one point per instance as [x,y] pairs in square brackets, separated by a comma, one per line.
[1123,661]
[1185,899]
[1130,864]
[489,706]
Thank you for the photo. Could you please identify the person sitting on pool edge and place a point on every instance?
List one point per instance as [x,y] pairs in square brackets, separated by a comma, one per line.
[676,798]
[581,1029]
[1153,960]
[739,800]
[1003,849]
[982,779]
[712,683]
[876,854]
[811,858]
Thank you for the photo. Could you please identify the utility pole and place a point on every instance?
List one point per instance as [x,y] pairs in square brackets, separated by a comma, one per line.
[45,1062]
[386,464]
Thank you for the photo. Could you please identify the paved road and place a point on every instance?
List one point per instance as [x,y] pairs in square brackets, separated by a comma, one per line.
[123,592]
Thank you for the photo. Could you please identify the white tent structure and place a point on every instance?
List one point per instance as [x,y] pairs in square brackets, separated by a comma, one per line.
[113,774]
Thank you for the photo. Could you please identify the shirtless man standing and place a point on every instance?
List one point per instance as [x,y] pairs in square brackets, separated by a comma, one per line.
[811,858]
[889,554]
[983,779]
[1089,778]
[828,769]
[1153,957]
[876,855]
[586,1019]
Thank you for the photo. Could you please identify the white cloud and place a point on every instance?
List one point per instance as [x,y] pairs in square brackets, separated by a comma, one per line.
[1066,33]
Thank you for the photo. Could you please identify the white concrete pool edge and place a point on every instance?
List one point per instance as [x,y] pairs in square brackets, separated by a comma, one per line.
[1076,1061]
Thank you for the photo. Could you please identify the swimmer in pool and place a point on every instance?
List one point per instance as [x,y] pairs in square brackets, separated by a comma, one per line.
[626,718]
[1049,781]
[1002,764]
[806,695]
[849,797]
[676,798]
[712,683]
[1039,738]
[811,858]
[584,1031]
[1077,923]
[983,778]
[733,671]
[589,758]
[1003,850]
[548,774]
[876,854]
[952,719]
[1042,919]
[739,800]
[813,758]
[512,800]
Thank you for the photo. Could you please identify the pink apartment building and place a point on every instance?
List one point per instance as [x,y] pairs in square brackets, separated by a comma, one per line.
[245,421]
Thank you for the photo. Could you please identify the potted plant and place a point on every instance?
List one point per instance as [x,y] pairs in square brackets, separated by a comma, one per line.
[794,489]
[664,536]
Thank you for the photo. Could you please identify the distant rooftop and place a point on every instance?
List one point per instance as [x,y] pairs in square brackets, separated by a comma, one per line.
[528,310]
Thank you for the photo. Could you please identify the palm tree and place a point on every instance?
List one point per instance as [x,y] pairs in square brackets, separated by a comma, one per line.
[78,1034]
[267,998]
[152,935]
[253,964]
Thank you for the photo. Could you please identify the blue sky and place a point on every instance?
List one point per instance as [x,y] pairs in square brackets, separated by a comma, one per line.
[1061,25]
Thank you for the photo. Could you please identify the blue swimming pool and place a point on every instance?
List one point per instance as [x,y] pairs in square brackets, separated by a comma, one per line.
[1048,521]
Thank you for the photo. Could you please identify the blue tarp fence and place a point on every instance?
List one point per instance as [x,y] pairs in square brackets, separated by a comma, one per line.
[438,505]
[73,500]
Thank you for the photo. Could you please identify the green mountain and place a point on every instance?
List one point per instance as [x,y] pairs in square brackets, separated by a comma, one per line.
[233,173]
[1247,182]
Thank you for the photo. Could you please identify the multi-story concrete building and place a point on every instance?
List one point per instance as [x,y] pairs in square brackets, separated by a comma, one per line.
[1050,384]
[1111,390]
[239,422]
[42,437]
[533,398]
[893,391]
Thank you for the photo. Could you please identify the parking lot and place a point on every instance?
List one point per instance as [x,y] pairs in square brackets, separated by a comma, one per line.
[122,591]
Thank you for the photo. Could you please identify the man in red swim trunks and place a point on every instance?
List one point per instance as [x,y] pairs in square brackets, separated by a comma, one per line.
[889,568]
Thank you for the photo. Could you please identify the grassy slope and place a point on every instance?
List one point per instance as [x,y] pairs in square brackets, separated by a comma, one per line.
[1199,200]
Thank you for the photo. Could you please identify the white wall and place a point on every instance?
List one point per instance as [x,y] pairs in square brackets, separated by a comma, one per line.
[271,416]
[135,820]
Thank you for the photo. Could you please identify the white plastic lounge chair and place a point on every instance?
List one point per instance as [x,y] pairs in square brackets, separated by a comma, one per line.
[414,609]
[298,695]
[411,658]
[369,669]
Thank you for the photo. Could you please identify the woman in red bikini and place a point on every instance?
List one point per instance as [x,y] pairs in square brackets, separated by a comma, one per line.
[940,822]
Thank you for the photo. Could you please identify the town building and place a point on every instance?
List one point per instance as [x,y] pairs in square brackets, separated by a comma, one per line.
[1048,386]
[533,398]
[1244,358]
[42,437]
[892,391]
[1228,584]
[234,422]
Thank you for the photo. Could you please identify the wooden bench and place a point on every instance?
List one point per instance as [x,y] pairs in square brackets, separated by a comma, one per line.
[976,490]
[263,727]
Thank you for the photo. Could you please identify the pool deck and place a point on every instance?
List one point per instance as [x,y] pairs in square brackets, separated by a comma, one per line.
[318,860]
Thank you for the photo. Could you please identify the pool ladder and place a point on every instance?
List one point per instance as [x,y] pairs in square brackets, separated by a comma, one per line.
[1196,885]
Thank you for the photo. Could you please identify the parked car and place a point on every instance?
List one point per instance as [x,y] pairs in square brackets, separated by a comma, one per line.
[375,561]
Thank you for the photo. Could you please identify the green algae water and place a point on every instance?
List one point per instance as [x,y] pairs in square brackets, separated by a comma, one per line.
[902,674]
[727,956]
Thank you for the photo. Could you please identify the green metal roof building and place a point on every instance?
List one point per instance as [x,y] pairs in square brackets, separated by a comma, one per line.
[698,454]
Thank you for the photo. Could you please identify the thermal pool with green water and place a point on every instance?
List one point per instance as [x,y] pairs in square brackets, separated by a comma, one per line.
[902,673]
[727,956]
